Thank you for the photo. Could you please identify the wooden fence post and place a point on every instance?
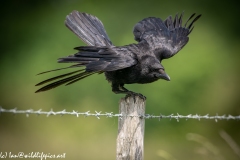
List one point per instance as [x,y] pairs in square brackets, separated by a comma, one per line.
[130,137]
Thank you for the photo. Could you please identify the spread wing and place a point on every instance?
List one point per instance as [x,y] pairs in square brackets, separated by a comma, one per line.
[101,59]
[89,28]
[164,37]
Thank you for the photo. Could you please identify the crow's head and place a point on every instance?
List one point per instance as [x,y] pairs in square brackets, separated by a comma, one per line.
[153,69]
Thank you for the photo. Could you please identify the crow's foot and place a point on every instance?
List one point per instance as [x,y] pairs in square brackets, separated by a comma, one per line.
[134,95]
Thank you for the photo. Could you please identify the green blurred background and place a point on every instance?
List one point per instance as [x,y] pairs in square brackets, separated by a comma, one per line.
[204,80]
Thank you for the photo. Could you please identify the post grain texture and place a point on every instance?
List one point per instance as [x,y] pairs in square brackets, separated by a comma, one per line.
[130,137]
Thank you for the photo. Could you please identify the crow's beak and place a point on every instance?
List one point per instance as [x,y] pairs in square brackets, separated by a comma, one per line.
[164,76]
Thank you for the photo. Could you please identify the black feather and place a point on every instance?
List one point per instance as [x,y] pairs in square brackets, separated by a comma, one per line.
[180,19]
[73,81]
[189,19]
[75,65]
[89,28]
[57,77]
[194,20]
[63,81]
[176,21]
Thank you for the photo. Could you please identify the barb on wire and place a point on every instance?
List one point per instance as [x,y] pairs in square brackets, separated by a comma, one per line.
[110,114]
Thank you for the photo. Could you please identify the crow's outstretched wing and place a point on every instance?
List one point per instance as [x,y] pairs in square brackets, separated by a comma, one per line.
[165,37]
[89,28]
[101,59]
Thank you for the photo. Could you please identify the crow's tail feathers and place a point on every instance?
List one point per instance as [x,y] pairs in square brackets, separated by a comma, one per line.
[66,79]
[89,28]
[94,59]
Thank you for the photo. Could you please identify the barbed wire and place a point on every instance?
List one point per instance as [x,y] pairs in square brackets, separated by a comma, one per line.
[111,114]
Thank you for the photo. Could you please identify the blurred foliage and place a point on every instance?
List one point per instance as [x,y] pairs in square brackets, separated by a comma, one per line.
[204,79]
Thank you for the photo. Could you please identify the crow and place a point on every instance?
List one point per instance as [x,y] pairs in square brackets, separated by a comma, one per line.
[133,63]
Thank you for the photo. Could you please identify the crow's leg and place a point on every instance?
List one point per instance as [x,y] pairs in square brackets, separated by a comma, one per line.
[131,93]
[118,88]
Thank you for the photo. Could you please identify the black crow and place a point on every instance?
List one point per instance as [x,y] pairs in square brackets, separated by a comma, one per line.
[134,63]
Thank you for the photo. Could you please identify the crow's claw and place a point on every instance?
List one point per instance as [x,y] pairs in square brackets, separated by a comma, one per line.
[134,95]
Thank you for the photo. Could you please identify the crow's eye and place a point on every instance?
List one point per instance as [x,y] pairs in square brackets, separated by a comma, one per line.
[156,70]
[155,75]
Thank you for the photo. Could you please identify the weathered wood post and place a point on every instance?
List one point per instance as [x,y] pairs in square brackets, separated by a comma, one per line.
[130,137]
